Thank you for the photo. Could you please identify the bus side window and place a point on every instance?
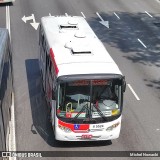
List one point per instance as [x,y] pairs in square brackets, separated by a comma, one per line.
[116,90]
[40,35]
[43,41]
[48,61]
[50,66]
[118,93]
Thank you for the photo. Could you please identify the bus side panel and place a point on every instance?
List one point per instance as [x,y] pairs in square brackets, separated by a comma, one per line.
[49,81]
[45,67]
[42,58]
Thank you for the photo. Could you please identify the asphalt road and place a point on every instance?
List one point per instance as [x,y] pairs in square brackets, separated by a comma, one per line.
[133,40]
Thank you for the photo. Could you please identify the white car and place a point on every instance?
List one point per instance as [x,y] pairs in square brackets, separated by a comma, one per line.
[6,1]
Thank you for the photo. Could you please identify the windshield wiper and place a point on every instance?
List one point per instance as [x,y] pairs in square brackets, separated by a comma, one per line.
[81,111]
[86,120]
[100,113]
[90,119]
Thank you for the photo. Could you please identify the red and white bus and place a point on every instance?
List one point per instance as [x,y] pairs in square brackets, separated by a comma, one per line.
[83,85]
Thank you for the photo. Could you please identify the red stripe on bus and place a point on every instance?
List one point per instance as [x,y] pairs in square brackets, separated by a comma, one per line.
[81,129]
[54,61]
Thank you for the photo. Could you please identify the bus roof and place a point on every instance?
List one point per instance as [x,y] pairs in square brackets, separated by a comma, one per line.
[76,48]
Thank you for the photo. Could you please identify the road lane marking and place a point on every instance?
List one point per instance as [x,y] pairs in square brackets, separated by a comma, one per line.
[66,14]
[12,136]
[142,43]
[148,14]
[83,15]
[25,19]
[12,145]
[116,15]
[134,93]
[103,22]
[50,14]
[34,24]
[8,20]
[99,16]
[7,17]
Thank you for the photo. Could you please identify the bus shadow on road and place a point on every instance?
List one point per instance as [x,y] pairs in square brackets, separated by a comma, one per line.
[66,144]
[40,114]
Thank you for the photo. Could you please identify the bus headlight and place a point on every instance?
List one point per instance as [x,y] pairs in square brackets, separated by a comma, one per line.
[115,112]
[113,126]
[65,129]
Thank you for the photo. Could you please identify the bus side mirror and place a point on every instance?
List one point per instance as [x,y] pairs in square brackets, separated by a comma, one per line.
[124,85]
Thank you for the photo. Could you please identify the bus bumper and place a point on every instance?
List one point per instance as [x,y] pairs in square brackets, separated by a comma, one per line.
[108,132]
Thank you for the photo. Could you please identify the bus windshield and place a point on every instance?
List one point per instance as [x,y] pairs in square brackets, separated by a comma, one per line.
[83,99]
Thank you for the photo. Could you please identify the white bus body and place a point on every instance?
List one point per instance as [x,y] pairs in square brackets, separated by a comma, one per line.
[83,85]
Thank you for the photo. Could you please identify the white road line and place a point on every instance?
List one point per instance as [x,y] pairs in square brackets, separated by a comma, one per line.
[149,14]
[142,43]
[116,15]
[8,20]
[99,16]
[83,15]
[12,137]
[134,93]
[66,14]
[6,16]
[105,23]
[50,14]
[12,145]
